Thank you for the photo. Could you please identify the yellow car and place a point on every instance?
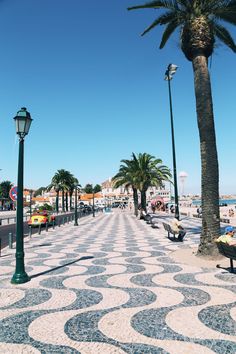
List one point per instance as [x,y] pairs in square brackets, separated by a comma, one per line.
[41,218]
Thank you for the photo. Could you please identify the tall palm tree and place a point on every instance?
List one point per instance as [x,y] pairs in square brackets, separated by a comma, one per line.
[73,184]
[127,177]
[200,25]
[150,172]
[61,182]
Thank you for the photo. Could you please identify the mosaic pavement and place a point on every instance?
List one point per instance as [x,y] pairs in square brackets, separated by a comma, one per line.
[110,286]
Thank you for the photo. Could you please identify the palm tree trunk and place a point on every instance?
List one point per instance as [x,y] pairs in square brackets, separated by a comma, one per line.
[63,201]
[143,200]
[71,193]
[135,197]
[209,159]
[66,201]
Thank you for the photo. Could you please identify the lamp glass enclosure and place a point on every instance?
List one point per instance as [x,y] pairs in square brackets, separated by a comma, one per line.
[23,121]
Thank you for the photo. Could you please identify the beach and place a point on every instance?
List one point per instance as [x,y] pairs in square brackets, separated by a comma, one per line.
[224,212]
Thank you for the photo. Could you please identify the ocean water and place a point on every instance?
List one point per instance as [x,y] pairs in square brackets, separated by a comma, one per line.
[221,201]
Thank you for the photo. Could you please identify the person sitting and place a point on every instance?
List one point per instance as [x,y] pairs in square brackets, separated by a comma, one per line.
[178,228]
[228,236]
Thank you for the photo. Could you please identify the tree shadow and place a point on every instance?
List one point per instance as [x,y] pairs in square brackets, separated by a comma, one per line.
[61,266]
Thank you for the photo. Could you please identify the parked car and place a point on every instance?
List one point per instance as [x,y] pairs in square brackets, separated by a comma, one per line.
[41,218]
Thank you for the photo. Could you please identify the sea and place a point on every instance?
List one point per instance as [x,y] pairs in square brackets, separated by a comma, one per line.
[221,202]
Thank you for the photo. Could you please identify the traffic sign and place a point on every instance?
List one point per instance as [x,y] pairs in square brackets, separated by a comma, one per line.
[13,193]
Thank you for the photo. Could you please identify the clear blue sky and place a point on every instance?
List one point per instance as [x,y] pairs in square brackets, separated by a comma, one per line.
[96,92]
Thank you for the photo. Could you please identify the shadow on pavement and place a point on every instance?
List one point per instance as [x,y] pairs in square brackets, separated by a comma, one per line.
[61,266]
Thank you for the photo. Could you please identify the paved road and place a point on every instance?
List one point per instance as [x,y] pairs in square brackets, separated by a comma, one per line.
[6,229]
[111,286]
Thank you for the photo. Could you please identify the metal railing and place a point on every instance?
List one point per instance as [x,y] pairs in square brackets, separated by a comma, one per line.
[60,221]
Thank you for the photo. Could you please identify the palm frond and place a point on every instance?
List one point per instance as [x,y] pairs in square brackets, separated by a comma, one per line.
[227,16]
[170,28]
[223,34]
[171,4]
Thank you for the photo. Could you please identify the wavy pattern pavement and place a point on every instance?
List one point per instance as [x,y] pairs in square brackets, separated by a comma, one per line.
[110,286]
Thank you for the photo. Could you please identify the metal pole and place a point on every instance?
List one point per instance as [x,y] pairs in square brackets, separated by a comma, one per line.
[173,152]
[31,203]
[76,209]
[93,206]
[57,201]
[20,275]
[10,240]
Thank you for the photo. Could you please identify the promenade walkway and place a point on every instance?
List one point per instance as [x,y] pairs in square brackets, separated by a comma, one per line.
[111,285]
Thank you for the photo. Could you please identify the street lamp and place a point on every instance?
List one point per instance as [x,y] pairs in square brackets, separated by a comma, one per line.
[76,209]
[23,121]
[171,70]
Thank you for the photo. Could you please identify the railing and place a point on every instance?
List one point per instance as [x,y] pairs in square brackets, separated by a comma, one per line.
[60,221]
[6,221]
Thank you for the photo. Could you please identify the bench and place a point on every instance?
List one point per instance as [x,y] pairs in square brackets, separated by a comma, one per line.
[148,217]
[153,221]
[226,220]
[227,251]
[169,230]
[197,215]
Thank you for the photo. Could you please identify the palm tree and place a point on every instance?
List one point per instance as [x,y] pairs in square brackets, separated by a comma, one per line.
[127,177]
[5,187]
[92,190]
[150,172]
[61,182]
[200,25]
[73,184]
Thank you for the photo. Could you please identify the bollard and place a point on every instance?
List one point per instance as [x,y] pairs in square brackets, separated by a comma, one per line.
[63,220]
[1,222]
[10,240]
[53,224]
[67,219]
[46,226]
[39,229]
[59,222]
[30,231]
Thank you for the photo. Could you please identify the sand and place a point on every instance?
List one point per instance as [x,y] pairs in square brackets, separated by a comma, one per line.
[224,212]
[188,256]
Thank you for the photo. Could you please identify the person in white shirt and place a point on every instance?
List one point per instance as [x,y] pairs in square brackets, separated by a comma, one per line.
[178,228]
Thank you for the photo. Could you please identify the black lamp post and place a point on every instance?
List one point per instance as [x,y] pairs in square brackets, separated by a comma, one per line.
[171,70]
[76,206]
[23,122]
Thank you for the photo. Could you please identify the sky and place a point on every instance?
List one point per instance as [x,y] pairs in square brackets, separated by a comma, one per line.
[96,92]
